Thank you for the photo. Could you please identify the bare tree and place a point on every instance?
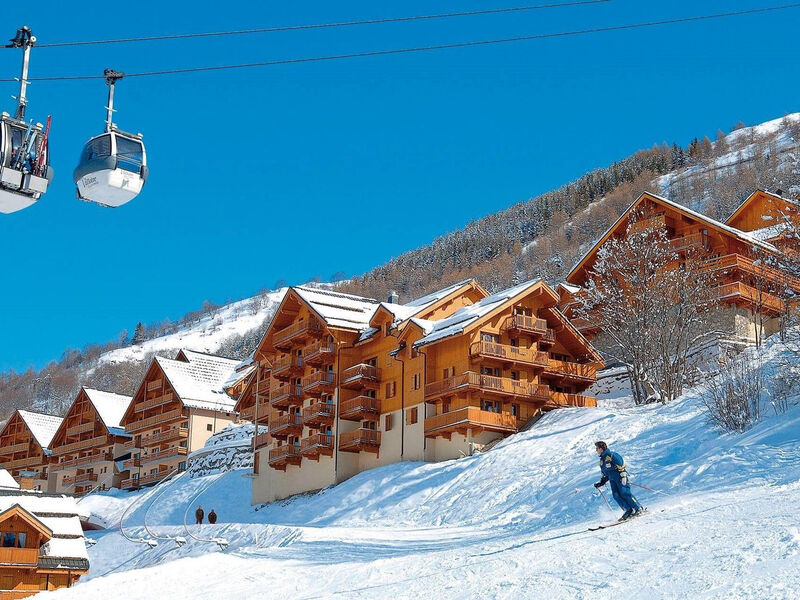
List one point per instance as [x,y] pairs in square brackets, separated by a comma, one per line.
[733,397]
[652,305]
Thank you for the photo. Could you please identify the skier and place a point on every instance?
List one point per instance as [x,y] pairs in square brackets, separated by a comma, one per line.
[612,466]
[212,517]
[199,514]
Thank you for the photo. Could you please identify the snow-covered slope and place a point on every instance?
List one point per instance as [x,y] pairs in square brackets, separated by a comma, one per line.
[509,523]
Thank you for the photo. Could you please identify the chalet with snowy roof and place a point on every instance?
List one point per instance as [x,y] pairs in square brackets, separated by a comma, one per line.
[766,216]
[179,404]
[253,402]
[86,450]
[239,377]
[735,253]
[357,383]
[25,446]
[41,541]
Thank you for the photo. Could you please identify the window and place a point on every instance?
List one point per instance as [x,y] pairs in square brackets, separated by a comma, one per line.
[22,538]
[416,381]
[490,337]
[412,416]
[9,539]
[515,410]
[515,375]
[448,372]
[387,423]
[182,466]
[390,389]
[129,154]
[209,427]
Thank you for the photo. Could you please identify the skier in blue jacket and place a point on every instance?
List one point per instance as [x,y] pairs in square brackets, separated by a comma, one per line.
[612,467]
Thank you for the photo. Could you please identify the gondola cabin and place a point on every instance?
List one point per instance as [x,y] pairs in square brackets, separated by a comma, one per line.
[112,168]
[24,169]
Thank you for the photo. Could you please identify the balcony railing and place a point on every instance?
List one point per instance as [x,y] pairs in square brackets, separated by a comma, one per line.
[173,433]
[753,267]
[82,461]
[28,461]
[571,370]
[516,324]
[751,295]
[488,383]
[530,356]
[314,445]
[562,399]
[81,445]
[284,455]
[284,366]
[12,448]
[20,557]
[319,413]
[263,439]
[298,330]
[164,455]
[286,395]
[80,478]
[131,463]
[131,444]
[693,240]
[653,221]
[154,402]
[156,384]
[79,429]
[360,440]
[316,383]
[360,375]
[285,425]
[319,353]
[470,417]
[155,420]
[144,480]
[360,408]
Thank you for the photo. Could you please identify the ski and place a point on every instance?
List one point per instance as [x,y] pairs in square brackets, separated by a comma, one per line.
[615,523]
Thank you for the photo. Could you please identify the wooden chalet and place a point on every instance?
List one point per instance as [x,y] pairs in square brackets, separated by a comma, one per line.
[41,541]
[356,383]
[737,259]
[25,446]
[179,404]
[252,404]
[88,442]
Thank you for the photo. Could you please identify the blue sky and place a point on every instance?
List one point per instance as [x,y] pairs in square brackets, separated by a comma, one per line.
[292,172]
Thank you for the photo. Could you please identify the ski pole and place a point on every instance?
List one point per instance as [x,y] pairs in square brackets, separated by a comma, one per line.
[646,488]
[604,498]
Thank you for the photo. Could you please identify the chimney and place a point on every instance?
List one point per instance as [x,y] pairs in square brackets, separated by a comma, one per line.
[26,479]
[394,297]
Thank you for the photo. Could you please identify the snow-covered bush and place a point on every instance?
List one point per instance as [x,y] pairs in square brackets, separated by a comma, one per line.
[733,397]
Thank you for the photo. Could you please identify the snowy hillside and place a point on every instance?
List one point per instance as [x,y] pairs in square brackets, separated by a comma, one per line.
[510,523]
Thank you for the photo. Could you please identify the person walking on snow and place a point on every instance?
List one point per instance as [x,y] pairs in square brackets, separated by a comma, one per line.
[612,466]
[212,517]
[199,514]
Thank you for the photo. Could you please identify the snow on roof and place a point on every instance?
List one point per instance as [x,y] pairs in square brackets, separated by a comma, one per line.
[343,311]
[242,370]
[110,406]
[57,512]
[7,481]
[43,427]
[199,382]
[433,297]
[572,289]
[769,233]
[464,317]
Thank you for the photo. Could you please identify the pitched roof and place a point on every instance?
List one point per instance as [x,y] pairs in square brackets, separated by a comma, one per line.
[7,481]
[42,426]
[464,317]
[109,406]
[741,235]
[342,311]
[754,195]
[241,372]
[199,382]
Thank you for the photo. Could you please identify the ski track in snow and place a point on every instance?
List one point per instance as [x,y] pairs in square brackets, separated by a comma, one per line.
[506,524]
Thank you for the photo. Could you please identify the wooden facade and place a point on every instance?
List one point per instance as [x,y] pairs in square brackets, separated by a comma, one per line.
[352,392]
[252,402]
[87,444]
[24,448]
[737,260]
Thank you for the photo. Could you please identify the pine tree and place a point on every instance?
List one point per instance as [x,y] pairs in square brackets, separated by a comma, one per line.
[138,334]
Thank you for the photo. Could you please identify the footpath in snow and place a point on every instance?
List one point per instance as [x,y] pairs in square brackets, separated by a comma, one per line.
[511,523]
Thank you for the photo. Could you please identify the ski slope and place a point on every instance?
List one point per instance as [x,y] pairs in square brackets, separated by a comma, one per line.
[511,523]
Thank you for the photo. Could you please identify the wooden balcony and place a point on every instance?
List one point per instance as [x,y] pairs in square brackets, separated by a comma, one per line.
[249,414]
[583,325]
[360,440]
[517,325]
[79,429]
[12,448]
[173,433]
[80,478]
[154,402]
[319,383]
[488,384]
[131,444]
[286,366]
[148,479]
[361,376]
[764,272]
[571,371]
[155,420]
[168,454]
[548,339]
[21,558]
[131,463]
[314,446]
[653,221]
[360,408]
[101,440]
[745,294]
[263,439]
[285,425]
[469,417]
[28,461]
[689,242]
[156,384]
[282,456]
[286,395]
[319,353]
[82,461]
[484,350]
[262,387]
[560,400]
[319,414]
[296,332]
